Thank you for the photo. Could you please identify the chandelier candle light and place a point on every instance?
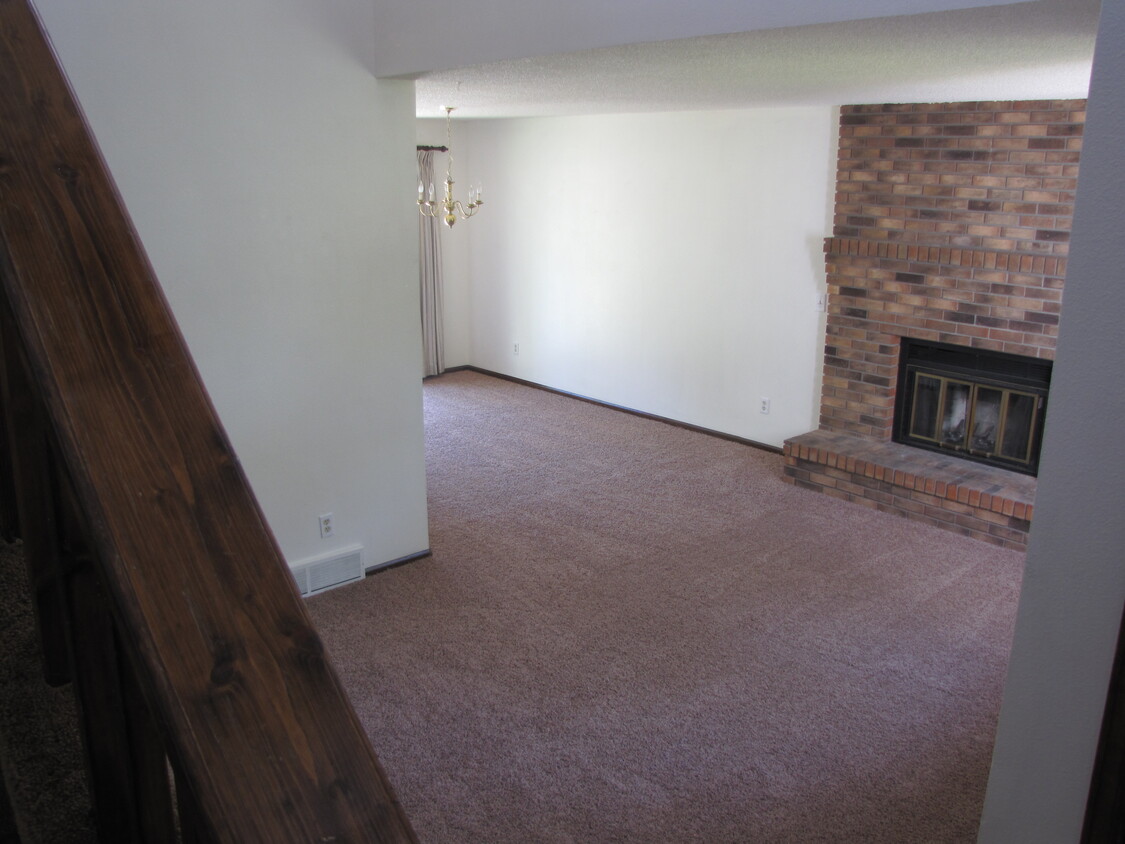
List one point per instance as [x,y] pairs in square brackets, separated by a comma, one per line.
[449,208]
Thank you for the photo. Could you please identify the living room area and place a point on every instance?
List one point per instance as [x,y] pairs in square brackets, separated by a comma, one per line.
[675,264]
[687,251]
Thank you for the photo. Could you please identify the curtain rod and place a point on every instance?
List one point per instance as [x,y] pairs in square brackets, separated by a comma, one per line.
[422,148]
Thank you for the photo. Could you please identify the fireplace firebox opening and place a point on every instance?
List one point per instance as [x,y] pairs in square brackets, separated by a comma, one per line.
[980,405]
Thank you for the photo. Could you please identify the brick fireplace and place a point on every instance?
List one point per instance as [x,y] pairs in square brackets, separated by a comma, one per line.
[951,226]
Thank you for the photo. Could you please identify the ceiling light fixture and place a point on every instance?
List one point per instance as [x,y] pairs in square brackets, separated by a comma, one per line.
[449,208]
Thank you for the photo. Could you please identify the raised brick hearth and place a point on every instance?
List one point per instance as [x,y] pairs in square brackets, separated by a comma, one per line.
[952,225]
[980,501]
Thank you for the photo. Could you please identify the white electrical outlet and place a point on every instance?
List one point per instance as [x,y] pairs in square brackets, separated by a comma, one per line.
[516,350]
[764,406]
[327,525]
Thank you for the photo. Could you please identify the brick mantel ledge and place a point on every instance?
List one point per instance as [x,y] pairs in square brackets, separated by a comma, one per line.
[1052,266]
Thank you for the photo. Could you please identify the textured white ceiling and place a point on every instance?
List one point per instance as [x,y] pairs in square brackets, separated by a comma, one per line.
[1027,50]
[425,35]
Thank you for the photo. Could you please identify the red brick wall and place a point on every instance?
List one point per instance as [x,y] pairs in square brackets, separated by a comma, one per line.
[952,224]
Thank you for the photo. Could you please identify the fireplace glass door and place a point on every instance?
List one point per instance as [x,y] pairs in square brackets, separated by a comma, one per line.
[985,421]
[980,405]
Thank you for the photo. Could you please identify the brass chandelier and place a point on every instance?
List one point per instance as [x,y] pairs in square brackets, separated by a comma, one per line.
[449,209]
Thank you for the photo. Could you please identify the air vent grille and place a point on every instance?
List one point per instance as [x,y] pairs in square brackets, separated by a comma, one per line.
[329,572]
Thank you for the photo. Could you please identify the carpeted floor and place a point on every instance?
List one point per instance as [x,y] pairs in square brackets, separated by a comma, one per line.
[629,632]
[40,750]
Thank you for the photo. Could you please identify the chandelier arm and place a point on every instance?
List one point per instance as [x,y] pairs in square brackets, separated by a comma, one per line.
[465,211]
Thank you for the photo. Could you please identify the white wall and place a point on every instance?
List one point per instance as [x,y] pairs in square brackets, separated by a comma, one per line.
[1074,586]
[270,177]
[664,262]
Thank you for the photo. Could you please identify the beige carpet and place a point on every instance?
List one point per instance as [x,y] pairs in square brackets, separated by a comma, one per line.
[629,632]
[40,750]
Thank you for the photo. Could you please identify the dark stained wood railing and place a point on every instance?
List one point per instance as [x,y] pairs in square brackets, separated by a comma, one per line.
[160,590]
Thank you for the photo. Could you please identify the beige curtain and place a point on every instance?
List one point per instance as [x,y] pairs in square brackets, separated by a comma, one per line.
[429,263]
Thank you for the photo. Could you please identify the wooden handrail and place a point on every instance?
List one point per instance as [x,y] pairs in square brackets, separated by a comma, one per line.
[160,588]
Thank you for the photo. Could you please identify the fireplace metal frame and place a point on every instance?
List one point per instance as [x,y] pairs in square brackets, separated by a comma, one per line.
[972,372]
